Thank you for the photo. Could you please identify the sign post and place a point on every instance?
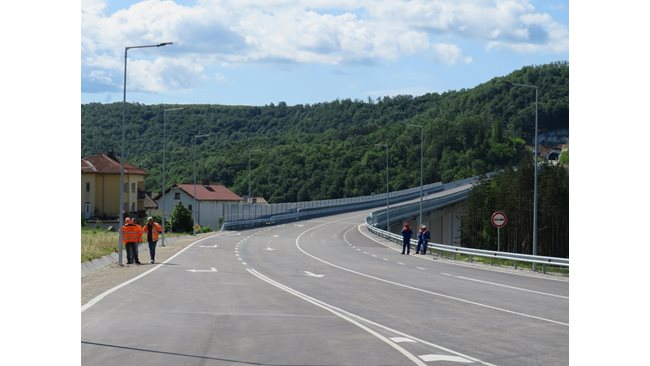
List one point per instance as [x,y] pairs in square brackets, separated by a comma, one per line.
[499,220]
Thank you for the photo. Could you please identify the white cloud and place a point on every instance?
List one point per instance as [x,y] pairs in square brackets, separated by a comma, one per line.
[449,54]
[304,31]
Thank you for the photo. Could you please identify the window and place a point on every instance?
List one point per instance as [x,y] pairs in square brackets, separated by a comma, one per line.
[177,195]
[189,207]
[132,187]
[125,188]
[132,206]
[87,186]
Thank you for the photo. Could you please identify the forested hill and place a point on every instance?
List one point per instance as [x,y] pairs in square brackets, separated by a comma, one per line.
[331,149]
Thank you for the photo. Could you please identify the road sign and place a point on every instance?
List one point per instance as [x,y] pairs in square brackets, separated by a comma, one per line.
[499,219]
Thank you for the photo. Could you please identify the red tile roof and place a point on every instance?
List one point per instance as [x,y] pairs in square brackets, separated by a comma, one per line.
[106,164]
[212,192]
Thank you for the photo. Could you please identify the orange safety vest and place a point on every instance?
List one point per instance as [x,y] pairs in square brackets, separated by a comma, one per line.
[156,230]
[131,233]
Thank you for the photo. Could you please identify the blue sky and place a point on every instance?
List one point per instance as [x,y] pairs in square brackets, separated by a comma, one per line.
[257,52]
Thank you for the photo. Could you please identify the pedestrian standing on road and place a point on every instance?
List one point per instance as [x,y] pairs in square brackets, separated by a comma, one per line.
[152,229]
[406,238]
[423,240]
[130,237]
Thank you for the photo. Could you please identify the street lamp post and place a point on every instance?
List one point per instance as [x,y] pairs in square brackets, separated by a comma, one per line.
[195,200]
[123,154]
[164,166]
[534,168]
[421,165]
[249,174]
[387,190]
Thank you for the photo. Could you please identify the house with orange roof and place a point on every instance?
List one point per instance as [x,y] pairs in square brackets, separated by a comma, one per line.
[205,201]
[100,180]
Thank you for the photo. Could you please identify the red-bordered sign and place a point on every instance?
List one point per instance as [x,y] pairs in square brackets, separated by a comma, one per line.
[499,219]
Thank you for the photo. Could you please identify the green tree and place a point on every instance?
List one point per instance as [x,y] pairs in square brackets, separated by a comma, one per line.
[182,220]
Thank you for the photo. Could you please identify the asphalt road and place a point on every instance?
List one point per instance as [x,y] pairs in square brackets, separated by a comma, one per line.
[325,292]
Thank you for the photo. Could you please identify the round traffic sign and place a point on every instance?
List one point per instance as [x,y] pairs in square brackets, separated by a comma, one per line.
[499,219]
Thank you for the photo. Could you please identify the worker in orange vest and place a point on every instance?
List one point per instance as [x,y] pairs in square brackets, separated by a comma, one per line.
[152,229]
[131,234]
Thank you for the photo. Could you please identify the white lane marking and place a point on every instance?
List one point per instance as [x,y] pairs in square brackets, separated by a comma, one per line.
[402,340]
[429,358]
[109,291]
[209,246]
[313,274]
[269,249]
[276,235]
[400,263]
[340,313]
[365,252]
[420,268]
[419,289]
[506,286]
[203,270]
[236,233]
[386,259]
[460,264]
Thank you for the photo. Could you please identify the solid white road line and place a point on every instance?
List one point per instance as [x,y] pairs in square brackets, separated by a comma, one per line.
[416,288]
[95,300]
[505,286]
[332,310]
[456,263]
[348,316]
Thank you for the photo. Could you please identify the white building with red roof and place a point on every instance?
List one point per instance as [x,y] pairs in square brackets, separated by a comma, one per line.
[205,201]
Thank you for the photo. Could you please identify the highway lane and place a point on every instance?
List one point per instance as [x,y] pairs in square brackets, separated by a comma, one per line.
[321,292]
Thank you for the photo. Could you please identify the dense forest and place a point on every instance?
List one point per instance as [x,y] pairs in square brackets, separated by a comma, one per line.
[511,191]
[332,149]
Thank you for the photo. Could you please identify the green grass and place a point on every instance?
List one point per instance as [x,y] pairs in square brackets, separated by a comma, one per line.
[96,243]
[503,262]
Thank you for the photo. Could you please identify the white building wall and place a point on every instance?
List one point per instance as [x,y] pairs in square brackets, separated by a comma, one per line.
[207,213]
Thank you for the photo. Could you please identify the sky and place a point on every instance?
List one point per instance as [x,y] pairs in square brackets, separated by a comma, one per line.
[242,52]
[257,52]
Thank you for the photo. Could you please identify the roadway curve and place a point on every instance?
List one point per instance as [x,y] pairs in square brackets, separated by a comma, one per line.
[324,292]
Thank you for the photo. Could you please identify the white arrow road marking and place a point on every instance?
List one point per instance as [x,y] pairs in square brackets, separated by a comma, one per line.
[209,246]
[429,358]
[313,274]
[269,249]
[402,340]
[203,270]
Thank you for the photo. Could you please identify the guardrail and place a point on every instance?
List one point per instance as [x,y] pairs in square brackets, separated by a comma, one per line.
[515,257]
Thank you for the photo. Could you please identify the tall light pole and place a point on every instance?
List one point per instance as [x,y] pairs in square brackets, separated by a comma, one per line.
[195,200]
[123,154]
[387,190]
[164,164]
[249,173]
[421,165]
[534,168]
